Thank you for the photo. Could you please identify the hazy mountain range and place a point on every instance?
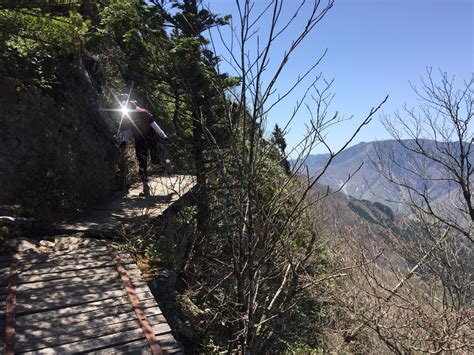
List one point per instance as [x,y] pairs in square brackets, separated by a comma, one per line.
[368,184]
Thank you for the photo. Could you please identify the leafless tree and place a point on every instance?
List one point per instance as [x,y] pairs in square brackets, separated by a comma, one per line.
[440,140]
[427,305]
[263,212]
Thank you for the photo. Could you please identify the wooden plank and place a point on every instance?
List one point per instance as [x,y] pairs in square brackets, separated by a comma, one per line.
[132,272]
[135,347]
[47,269]
[173,350]
[67,260]
[83,313]
[63,254]
[36,340]
[44,324]
[67,292]
[60,269]
[54,329]
[81,250]
[74,310]
[122,209]
[51,304]
[57,271]
[66,289]
[47,304]
[48,286]
[154,310]
[94,344]
[33,270]
[160,326]
[52,336]
[45,339]
[80,296]
[97,279]
[168,343]
[84,273]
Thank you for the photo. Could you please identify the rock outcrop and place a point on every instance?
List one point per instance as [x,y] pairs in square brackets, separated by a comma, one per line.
[56,147]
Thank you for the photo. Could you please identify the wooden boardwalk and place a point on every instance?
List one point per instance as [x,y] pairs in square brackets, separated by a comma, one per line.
[130,208]
[92,299]
[89,300]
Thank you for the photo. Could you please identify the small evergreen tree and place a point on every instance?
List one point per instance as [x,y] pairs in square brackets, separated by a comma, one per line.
[278,139]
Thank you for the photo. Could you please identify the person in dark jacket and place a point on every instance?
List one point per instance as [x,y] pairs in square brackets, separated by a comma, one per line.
[139,124]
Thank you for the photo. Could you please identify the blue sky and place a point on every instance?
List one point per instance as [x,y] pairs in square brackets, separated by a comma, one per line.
[375,47]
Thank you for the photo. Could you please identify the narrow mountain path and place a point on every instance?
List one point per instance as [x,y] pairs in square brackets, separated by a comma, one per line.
[91,299]
[130,208]
[87,297]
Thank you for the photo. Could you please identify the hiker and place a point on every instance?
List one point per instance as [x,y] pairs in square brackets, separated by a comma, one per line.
[140,125]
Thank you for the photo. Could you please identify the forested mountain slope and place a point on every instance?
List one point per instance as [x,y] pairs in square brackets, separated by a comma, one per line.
[365,224]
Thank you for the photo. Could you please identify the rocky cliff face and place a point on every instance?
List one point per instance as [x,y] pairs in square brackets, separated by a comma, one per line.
[56,147]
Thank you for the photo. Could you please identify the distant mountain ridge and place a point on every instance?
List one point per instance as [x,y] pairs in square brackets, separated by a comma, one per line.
[368,183]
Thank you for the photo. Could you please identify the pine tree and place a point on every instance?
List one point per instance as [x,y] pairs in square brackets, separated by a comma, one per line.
[278,138]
